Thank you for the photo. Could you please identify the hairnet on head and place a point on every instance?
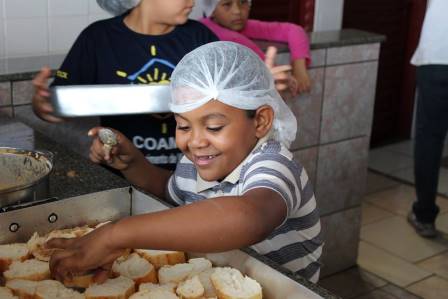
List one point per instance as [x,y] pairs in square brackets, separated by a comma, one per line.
[234,75]
[208,6]
[117,7]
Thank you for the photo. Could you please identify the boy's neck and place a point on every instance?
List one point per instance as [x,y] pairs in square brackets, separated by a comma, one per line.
[140,21]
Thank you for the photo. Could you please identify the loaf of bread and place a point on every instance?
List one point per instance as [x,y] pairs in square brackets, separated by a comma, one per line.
[6,293]
[160,258]
[52,289]
[117,288]
[175,273]
[136,268]
[30,270]
[190,288]
[24,289]
[156,294]
[229,283]
[12,252]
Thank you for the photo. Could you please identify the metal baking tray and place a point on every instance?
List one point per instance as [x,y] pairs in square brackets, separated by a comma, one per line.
[98,100]
[19,224]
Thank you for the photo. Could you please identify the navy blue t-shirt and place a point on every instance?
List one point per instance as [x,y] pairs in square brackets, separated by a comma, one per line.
[108,52]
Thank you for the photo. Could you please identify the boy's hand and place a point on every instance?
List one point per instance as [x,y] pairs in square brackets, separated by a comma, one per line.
[41,103]
[120,156]
[284,81]
[93,251]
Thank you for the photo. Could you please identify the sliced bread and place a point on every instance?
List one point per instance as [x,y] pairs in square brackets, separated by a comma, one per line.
[175,273]
[156,294]
[200,265]
[12,252]
[204,277]
[136,268]
[190,288]
[30,270]
[6,293]
[52,289]
[170,286]
[160,258]
[116,288]
[231,284]
[79,281]
[24,289]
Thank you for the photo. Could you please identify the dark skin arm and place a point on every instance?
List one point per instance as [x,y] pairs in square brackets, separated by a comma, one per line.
[213,225]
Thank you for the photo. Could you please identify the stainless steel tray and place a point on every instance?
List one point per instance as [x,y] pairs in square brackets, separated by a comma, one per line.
[118,203]
[97,100]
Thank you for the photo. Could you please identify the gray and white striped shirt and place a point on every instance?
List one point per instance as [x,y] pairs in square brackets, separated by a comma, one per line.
[297,243]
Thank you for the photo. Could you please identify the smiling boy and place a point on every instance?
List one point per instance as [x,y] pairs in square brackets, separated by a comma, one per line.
[237,184]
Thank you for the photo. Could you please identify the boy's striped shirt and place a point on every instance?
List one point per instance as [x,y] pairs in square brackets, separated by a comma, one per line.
[297,243]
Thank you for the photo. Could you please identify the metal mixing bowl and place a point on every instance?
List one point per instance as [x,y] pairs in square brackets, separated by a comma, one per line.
[24,175]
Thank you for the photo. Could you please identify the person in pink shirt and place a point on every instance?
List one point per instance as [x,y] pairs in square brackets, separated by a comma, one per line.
[229,20]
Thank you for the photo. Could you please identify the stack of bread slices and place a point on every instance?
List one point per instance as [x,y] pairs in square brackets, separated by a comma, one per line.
[139,274]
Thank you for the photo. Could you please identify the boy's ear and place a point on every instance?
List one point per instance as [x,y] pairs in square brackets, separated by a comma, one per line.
[264,118]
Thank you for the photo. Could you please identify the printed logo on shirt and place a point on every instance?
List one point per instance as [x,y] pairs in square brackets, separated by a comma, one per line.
[151,144]
[61,74]
[150,72]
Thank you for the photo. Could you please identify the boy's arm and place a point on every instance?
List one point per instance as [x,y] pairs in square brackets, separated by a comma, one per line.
[213,225]
[293,34]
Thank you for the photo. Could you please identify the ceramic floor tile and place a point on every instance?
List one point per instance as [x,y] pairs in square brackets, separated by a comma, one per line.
[378,182]
[398,200]
[389,267]
[377,294]
[406,175]
[371,214]
[397,237]
[399,292]
[437,265]
[352,283]
[404,147]
[433,287]
[387,161]
[442,223]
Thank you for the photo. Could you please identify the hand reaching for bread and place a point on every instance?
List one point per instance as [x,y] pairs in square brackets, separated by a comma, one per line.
[93,251]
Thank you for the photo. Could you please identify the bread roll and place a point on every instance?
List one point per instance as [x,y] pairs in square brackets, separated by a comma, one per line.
[160,258]
[231,284]
[200,265]
[190,288]
[136,268]
[117,288]
[52,289]
[175,273]
[80,281]
[12,252]
[204,277]
[30,270]
[24,289]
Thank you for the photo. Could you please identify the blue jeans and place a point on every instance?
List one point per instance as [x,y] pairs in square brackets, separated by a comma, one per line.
[431,129]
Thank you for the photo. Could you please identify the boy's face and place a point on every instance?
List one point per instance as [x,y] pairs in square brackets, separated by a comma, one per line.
[216,138]
[232,14]
[172,12]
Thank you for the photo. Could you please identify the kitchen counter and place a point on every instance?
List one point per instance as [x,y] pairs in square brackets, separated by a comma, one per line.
[72,174]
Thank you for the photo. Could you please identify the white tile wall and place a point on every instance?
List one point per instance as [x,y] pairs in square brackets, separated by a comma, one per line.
[67,8]
[25,8]
[26,37]
[63,32]
[40,27]
[328,15]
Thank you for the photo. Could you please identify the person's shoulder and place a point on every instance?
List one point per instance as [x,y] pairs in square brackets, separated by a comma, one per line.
[101,25]
[196,29]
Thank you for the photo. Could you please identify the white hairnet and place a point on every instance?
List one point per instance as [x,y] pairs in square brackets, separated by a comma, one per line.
[117,7]
[208,6]
[236,76]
